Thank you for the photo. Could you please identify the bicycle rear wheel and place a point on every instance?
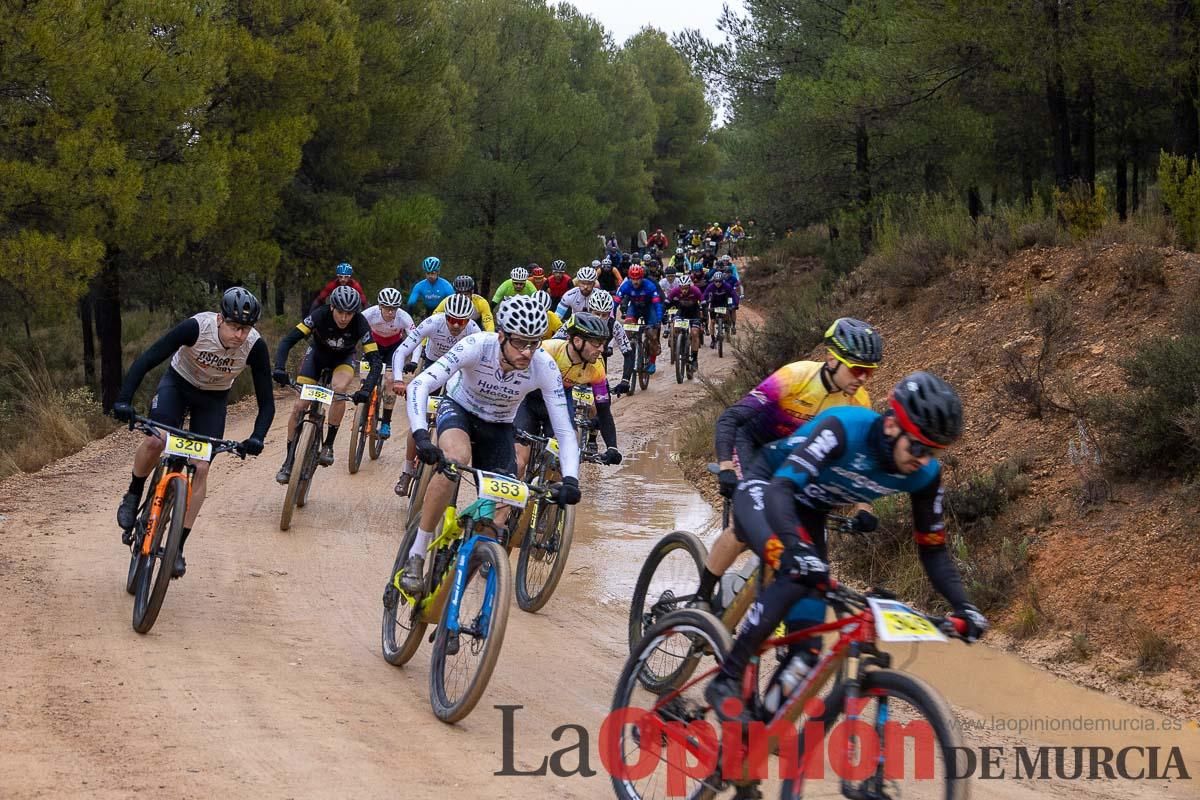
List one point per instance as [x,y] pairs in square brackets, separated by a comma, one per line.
[897,706]
[455,686]
[416,491]
[291,498]
[721,340]
[543,555]
[403,629]
[358,437]
[154,571]
[375,441]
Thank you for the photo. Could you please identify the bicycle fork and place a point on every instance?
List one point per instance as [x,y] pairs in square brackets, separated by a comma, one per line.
[460,585]
[156,506]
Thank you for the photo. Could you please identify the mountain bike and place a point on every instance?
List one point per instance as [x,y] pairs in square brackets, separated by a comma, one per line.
[681,333]
[467,554]
[310,433]
[640,359]
[157,536]
[545,528]
[364,433]
[881,707]
[669,330]
[720,328]
[586,427]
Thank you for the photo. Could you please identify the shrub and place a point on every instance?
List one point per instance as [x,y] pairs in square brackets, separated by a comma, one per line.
[1139,268]
[982,496]
[1082,209]
[1179,181]
[1155,652]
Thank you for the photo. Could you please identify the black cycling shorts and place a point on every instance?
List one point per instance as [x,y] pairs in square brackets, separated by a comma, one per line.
[491,442]
[316,361]
[750,519]
[175,397]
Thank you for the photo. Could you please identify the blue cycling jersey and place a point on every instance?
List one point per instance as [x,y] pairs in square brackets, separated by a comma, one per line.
[430,294]
[644,301]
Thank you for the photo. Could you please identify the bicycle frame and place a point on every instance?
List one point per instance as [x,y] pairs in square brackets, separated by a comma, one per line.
[160,492]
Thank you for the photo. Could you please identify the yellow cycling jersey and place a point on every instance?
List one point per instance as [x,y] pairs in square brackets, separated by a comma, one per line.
[555,323]
[794,394]
[574,374]
[483,312]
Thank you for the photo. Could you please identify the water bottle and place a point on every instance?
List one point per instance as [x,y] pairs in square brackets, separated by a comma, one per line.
[789,678]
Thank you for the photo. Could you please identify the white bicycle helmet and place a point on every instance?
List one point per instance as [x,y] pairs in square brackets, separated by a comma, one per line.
[544,298]
[600,303]
[607,262]
[519,274]
[685,279]
[390,297]
[595,264]
[459,306]
[586,274]
[523,315]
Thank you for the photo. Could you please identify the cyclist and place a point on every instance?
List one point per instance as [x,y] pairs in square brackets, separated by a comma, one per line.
[439,332]
[845,455]
[720,293]
[336,330]
[608,277]
[518,283]
[641,300]
[686,299]
[554,320]
[658,239]
[786,399]
[390,324]
[726,264]
[559,283]
[482,314]
[207,352]
[343,276]
[537,276]
[427,293]
[680,261]
[475,419]
[600,303]
[576,299]
[669,281]
[578,359]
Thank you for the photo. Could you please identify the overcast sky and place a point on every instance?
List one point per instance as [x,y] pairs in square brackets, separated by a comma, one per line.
[624,18]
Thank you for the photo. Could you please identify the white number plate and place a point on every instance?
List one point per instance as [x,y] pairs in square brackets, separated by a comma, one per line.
[322,394]
[503,489]
[632,327]
[364,369]
[896,622]
[682,324]
[582,395]
[188,448]
[722,310]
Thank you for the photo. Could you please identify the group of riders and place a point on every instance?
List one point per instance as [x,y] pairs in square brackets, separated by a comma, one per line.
[802,443]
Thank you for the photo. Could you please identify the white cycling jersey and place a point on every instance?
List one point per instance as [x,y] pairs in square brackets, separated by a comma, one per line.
[616,333]
[208,364]
[440,340]
[573,301]
[387,334]
[479,384]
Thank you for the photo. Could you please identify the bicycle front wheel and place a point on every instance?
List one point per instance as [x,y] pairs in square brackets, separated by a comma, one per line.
[463,665]
[682,357]
[924,760]
[155,569]
[375,441]
[358,437]
[544,555]
[644,369]
[291,497]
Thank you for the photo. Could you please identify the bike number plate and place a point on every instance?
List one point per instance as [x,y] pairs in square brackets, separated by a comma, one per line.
[364,369]
[632,327]
[896,622]
[322,394]
[682,324]
[582,395]
[552,445]
[503,489]
[722,310]
[432,406]
[188,448]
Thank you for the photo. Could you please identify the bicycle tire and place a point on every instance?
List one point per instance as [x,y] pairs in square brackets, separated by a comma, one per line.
[637,365]
[680,363]
[309,468]
[416,491]
[563,528]
[720,337]
[639,622]
[693,623]
[445,708]
[168,538]
[398,653]
[358,438]
[644,371]
[143,519]
[916,693]
[291,496]
[374,440]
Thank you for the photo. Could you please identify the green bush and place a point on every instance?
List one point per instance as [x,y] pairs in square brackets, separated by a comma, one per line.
[1179,182]
[1082,208]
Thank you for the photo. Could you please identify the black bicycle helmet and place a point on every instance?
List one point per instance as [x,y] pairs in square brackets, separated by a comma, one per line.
[464,284]
[855,341]
[928,409]
[589,326]
[345,298]
[240,306]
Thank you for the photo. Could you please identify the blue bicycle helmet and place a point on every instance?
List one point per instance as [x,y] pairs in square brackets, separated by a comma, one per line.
[344,269]
[431,264]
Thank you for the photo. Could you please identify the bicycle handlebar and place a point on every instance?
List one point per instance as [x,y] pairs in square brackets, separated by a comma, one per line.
[840,593]
[152,427]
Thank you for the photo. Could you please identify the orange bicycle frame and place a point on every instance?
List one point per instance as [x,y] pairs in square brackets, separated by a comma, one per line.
[160,493]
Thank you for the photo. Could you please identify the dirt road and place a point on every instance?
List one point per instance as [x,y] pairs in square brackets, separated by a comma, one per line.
[262,677]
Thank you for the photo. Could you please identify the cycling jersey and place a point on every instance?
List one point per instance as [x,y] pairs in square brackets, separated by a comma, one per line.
[687,299]
[787,398]
[720,293]
[554,326]
[479,385]
[327,336]
[388,334]
[666,285]
[616,334]
[206,363]
[429,293]
[438,340]
[557,286]
[482,313]
[608,279]
[573,302]
[572,373]
[507,290]
[644,300]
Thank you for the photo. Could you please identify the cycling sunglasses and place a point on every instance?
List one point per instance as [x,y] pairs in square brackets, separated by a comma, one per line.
[920,449]
[857,370]
[524,345]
